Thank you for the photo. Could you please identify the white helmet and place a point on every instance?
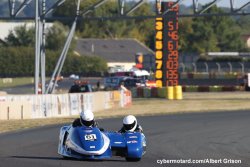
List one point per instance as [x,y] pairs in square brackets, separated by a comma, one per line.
[129,123]
[87,118]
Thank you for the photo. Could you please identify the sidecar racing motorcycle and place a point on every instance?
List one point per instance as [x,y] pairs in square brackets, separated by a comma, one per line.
[92,143]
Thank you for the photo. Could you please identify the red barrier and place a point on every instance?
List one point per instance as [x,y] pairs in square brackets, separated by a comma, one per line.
[228,88]
[154,92]
[190,75]
[203,89]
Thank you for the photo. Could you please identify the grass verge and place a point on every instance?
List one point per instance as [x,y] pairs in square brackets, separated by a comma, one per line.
[13,82]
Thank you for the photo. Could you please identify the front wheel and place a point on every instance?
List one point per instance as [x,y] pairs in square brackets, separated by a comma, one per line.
[133,159]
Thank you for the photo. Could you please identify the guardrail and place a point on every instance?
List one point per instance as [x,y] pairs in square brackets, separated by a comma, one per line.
[60,105]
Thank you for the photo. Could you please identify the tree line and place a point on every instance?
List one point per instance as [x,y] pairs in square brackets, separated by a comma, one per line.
[19,61]
[17,54]
[196,35]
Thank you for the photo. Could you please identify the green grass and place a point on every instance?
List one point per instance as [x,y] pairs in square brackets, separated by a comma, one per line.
[12,82]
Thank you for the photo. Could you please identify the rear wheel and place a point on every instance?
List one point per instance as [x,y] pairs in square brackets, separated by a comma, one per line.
[133,159]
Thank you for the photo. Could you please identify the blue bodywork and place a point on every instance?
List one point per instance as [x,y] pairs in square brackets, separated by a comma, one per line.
[91,143]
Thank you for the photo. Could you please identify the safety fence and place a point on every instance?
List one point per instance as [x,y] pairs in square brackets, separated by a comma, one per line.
[219,67]
[60,105]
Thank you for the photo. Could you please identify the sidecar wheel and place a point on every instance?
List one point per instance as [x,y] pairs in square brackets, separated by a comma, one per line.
[133,159]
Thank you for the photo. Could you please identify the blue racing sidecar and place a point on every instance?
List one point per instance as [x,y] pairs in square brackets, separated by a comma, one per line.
[91,143]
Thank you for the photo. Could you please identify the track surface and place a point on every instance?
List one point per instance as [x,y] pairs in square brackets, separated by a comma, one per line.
[197,136]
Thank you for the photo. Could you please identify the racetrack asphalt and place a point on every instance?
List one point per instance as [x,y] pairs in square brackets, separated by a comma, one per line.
[222,135]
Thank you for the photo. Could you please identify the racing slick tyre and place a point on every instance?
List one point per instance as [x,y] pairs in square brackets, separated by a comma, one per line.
[133,159]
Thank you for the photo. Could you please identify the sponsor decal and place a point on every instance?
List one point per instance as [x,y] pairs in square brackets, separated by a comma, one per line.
[132,141]
[133,137]
[118,142]
[90,137]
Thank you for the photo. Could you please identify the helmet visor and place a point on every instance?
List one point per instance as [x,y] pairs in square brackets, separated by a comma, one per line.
[87,123]
[129,126]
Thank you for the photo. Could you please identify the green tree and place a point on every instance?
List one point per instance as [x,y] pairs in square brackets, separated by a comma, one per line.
[140,29]
[215,34]
[203,38]
[244,23]
[21,36]
[24,36]
[16,61]
[56,36]
[227,31]
[185,29]
[19,61]
[84,64]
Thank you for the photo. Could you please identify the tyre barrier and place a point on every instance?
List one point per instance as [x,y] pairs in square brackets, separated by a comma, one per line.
[140,92]
[178,93]
[215,88]
[134,92]
[190,88]
[146,92]
[170,93]
[162,92]
[175,93]
[211,88]
[154,92]
[203,89]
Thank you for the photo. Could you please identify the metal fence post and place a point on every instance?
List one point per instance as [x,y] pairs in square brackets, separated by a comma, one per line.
[205,63]
[230,67]
[183,67]
[195,68]
[219,68]
[242,67]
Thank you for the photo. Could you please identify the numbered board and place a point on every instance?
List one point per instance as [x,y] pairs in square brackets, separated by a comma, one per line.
[90,137]
[166,46]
